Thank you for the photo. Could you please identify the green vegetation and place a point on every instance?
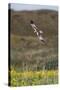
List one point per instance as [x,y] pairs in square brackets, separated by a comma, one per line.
[33,77]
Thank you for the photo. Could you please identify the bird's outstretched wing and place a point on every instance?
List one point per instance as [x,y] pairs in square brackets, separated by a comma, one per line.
[39,34]
[34,27]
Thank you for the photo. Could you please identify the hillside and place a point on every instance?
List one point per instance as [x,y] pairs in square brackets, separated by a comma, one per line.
[44,19]
[27,53]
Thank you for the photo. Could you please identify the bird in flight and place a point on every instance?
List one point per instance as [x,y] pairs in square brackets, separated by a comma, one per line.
[38,33]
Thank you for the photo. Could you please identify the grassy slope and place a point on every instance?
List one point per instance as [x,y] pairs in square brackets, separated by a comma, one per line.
[27,53]
[45,20]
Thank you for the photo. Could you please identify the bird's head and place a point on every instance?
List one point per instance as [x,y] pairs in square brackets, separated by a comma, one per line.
[31,22]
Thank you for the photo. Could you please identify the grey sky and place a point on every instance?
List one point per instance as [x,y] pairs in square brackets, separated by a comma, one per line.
[32,7]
